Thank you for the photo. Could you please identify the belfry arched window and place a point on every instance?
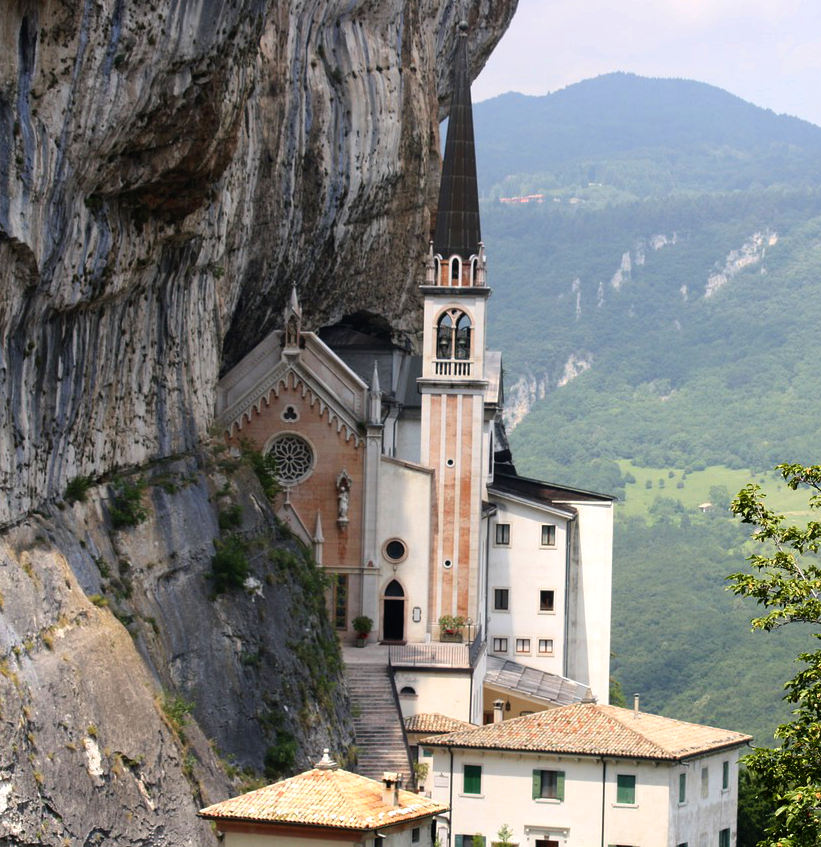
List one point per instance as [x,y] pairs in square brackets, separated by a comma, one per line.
[453,335]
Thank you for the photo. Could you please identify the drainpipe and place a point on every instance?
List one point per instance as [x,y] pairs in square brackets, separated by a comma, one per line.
[603,787]
[450,802]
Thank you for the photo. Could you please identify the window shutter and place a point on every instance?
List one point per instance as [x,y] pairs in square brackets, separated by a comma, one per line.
[457,841]
[560,785]
[537,784]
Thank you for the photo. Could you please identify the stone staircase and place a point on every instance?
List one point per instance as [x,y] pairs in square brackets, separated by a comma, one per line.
[377,723]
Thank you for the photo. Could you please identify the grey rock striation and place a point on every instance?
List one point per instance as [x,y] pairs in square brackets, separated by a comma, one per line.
[167,171]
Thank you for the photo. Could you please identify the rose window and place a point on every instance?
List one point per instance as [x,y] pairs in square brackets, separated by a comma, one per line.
[293,456]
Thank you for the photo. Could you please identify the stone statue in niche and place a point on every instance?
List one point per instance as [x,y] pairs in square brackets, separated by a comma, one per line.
[343,496]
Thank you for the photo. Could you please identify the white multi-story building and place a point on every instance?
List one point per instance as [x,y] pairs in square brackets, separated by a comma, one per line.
[587,774]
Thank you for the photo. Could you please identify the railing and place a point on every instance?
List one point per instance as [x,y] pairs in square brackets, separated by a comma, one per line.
[411,781]
[436,654]
[452,367]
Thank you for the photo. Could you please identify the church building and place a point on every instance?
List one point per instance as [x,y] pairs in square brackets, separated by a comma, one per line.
[396,472]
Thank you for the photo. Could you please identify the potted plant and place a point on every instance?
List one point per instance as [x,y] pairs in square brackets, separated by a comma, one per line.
[420,771]
[450,628]
[362,626]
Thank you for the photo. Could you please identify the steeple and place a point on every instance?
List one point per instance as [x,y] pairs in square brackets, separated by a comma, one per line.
[457,219]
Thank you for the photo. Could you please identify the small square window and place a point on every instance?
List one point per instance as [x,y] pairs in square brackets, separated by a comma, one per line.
[548,535]
[472,783]
[500,645]
[725,776]
[548,785]
[626,789]
[503,533]
[501,599]
[546,600]
[522,645]
[546,646]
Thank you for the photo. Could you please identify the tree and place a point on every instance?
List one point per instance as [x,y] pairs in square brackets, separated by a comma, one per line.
[786,580]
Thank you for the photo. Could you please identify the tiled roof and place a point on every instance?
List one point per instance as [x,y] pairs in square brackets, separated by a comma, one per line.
[434,722]
[529,682]
[327,798]
[591,729]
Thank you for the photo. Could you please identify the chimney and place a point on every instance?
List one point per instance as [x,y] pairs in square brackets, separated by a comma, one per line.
[391,783]
[498,711]
[326,763]
[635,705]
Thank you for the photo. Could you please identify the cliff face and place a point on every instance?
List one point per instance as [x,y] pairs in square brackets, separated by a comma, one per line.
[167,171]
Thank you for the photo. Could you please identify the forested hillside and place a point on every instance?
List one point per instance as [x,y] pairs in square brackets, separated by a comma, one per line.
[658,311]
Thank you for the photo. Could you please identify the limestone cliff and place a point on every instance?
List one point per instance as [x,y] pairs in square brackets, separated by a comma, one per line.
[167,171]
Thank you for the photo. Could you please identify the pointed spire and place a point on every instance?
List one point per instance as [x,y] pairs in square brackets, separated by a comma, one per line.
[319,538]
[457,219]
[292,321]
[375,379]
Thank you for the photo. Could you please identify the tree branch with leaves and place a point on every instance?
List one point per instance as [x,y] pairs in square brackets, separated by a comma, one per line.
[785,579]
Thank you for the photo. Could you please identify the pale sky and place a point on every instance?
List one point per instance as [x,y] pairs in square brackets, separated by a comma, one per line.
[765,51]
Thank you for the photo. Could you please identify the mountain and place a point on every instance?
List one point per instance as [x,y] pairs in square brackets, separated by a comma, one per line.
[658,310]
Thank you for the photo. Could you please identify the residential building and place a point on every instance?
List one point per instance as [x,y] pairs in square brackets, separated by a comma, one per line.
[327,806]
[589,774]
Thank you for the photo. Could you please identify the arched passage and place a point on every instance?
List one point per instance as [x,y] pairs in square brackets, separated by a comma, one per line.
[393,612]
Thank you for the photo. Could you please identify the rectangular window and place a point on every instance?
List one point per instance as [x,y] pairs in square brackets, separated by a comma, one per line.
[705,782]
[626,789]
[503,533]
[725,776]
[682,788]
[415,835]
[548,535]
[522,645]
[546,646]
[469,840]
[340,601]
[500,645]
[501,599]
[546,601]
[548,785]
[472,782]
[724,838]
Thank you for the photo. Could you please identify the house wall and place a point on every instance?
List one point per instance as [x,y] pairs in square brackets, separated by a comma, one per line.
[590,587]
[655,818]
[525,568]
[700,818]
[393,838]
[442,690]
[404,512]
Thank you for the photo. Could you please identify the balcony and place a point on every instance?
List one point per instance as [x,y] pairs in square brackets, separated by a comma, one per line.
[452,367]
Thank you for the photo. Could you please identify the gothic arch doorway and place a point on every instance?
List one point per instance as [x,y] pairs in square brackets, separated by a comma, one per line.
[393,612]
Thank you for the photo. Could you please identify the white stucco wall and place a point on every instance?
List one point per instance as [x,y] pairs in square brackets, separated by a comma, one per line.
[525,567]
[588,638]
[404,512]
[437,690]
[654,820]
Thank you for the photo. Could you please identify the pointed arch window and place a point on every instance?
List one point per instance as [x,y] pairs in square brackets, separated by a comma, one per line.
[453,335]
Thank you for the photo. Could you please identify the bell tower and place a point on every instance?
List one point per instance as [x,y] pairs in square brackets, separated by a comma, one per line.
[453,382]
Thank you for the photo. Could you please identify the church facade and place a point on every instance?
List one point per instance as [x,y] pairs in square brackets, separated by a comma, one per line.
[395,469]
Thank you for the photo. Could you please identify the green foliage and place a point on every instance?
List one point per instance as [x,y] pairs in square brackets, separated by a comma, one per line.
[451,623]
[230,518]
[754,809]
[126,507]
[503,836]
[77,489]
[785,580]
[229,564]
[362,624]
[176,710]
[264,466]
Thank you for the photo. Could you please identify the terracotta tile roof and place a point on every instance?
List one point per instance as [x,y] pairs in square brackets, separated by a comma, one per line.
[591,729]
[327,798]
[434,722]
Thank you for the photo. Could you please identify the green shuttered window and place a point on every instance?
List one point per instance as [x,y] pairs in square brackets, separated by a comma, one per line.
[472,783]
[548,785]
[626,789]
